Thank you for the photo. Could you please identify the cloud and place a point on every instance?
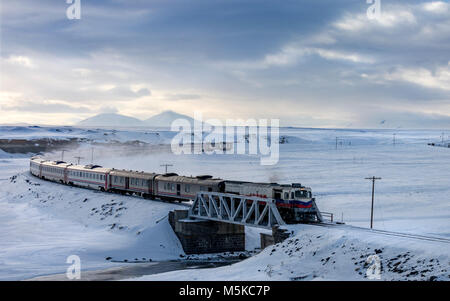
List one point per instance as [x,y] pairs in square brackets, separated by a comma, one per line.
[392,16]
[433,79]
[108,110]
[322,59]
[182,96]
[20,61]
[48,106]
[437,7]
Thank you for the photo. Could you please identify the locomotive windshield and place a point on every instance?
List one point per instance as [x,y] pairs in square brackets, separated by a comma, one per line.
[301,194]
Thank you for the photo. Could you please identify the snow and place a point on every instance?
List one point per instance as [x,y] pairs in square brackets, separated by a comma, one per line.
[99,135]
[319,253]
[49,222]
[43,223]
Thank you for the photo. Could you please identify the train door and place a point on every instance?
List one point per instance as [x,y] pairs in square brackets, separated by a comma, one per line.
[178,189]
[127,183]
[277,194]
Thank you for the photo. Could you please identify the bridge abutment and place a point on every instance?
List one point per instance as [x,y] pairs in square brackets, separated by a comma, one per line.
[205,236]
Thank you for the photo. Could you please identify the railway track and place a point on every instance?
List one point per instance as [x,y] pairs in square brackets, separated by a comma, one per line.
[388,233]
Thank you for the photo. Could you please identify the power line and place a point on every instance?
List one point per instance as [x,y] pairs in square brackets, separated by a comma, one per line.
[166,165]
[373,179]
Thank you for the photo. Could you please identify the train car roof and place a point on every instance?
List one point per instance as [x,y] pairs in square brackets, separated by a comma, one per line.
[95,168]
[274,185]
[190,180]
[38,159]
[61,164]
[132,174]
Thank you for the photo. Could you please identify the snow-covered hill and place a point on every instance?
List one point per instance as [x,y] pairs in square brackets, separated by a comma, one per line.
[320,253]
[43,223]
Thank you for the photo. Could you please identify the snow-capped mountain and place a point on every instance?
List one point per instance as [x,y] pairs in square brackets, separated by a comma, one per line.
[111,119]
[163,119]
[166,118]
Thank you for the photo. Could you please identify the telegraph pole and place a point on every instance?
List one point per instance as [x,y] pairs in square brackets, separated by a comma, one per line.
[78,157]
[166,165]
[62,154]
[373,179]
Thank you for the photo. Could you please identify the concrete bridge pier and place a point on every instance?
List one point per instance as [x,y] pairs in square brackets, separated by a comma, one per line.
[204,236]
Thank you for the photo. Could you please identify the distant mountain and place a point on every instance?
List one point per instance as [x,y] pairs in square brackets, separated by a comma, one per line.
[111,119]
[165,119]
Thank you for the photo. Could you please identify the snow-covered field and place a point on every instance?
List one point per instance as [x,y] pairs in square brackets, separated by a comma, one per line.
[43,224]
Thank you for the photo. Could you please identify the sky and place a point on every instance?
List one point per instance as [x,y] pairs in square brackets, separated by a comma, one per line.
[308,63]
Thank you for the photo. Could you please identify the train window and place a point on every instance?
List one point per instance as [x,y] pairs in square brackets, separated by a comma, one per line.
[292,195]
[286,195]
[187,188]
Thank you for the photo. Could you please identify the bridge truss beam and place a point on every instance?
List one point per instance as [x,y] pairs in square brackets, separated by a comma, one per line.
[236,209]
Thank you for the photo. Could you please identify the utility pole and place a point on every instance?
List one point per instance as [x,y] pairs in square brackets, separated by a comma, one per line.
[166,165]
[78,157]
[373,179]
[62,154]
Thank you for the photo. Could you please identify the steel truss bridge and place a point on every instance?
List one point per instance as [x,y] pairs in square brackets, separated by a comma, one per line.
[237,209]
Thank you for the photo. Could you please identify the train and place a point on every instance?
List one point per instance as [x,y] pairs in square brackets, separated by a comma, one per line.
[295,202]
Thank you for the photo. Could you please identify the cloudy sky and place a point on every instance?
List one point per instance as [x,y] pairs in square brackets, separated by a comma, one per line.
[309,63]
